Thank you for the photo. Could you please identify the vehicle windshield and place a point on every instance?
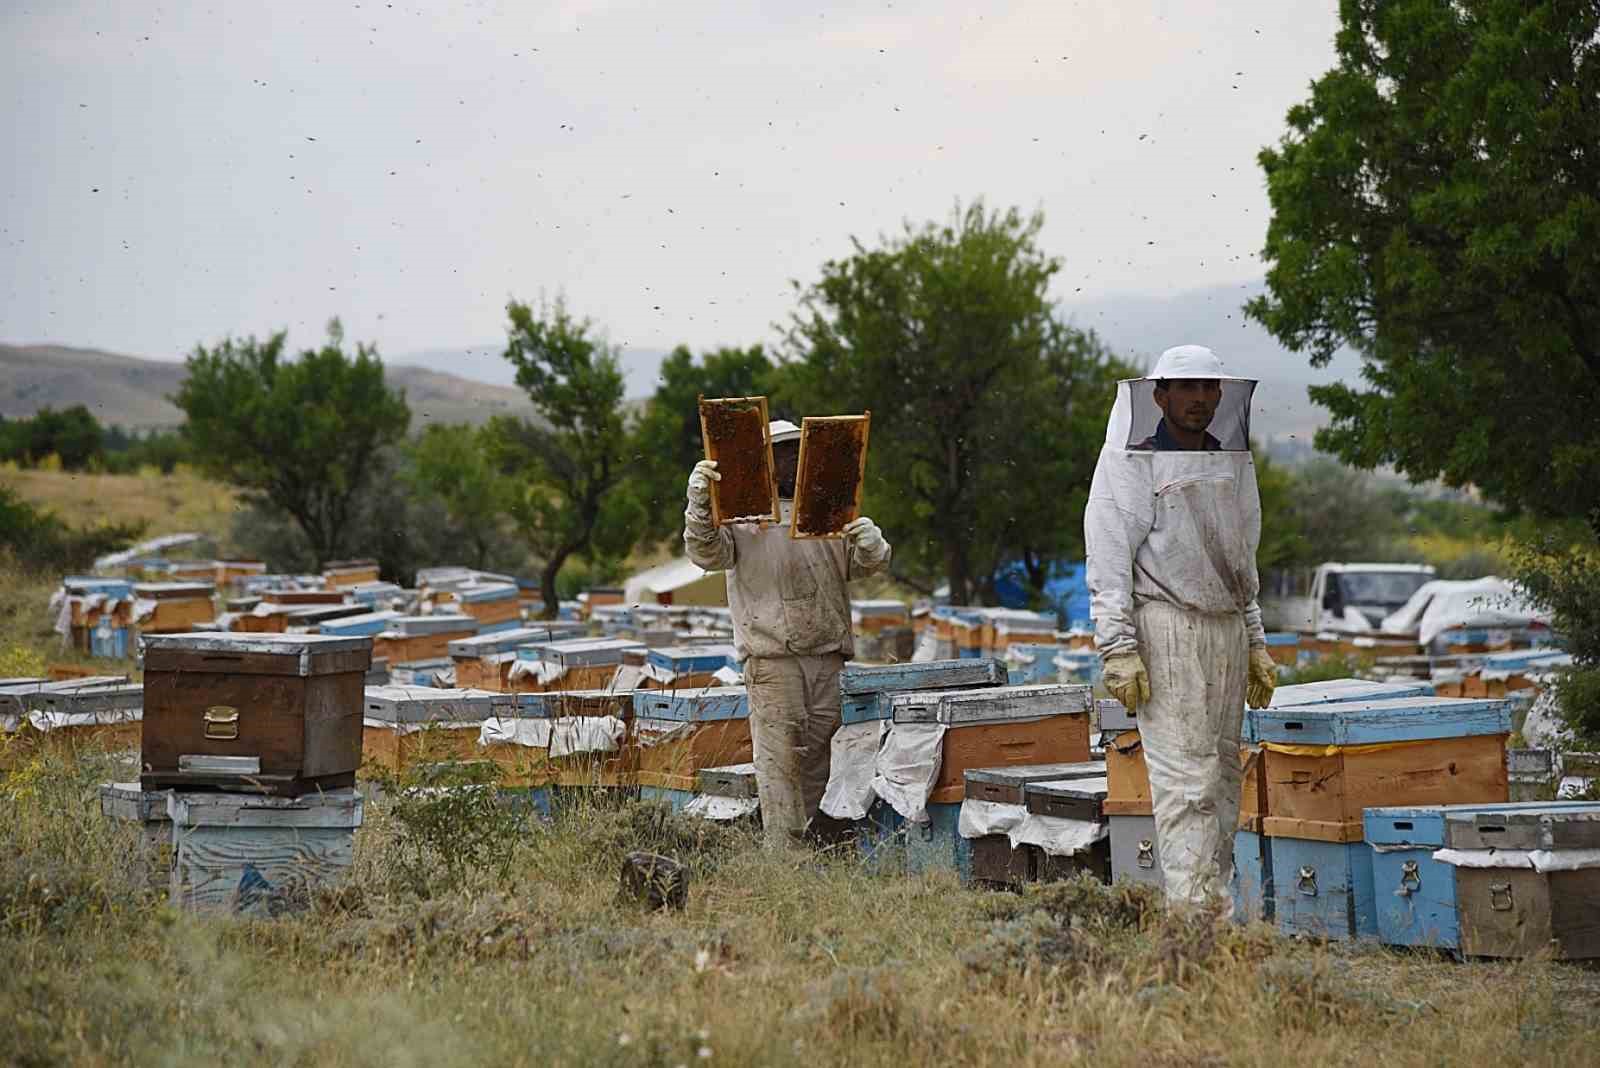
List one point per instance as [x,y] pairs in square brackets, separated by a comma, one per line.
[1390,589]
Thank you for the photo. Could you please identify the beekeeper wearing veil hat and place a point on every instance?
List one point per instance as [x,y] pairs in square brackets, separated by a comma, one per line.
[1171,530]
[791,630]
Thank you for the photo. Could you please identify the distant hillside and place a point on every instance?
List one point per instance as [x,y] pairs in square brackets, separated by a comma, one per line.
[131,392]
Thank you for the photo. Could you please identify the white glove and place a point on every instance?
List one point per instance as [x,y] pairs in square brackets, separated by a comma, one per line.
[863,534]
[700,479]
[1263,678]
[1126,679]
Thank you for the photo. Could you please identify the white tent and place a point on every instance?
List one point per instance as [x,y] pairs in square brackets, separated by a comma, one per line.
[1441,605]
[681,581]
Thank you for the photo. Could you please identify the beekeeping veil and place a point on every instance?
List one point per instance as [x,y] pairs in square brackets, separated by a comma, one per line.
[1135,418]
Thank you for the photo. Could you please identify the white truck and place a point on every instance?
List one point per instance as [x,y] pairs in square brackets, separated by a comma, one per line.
[1356,597]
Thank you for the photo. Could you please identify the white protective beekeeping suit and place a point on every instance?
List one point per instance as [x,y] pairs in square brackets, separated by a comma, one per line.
[1171,536]
[791,631]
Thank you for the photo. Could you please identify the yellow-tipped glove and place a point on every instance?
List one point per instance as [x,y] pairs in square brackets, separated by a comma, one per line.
[1126,679]
[1263,678]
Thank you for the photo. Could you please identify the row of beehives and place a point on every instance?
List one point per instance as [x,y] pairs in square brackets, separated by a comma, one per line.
[104,617]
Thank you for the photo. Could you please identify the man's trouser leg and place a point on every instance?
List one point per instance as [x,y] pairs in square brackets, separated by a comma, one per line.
[794,710]
[1190,734]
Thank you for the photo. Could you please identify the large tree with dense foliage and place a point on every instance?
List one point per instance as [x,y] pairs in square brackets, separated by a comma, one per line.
[302,434]
[1436,207]
[669,430]
[987,411]
[571,464]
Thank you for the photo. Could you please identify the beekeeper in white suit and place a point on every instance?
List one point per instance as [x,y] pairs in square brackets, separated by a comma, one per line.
[791,631]
[1171,529]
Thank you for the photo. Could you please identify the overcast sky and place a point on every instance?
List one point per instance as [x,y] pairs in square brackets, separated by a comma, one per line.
[182,171]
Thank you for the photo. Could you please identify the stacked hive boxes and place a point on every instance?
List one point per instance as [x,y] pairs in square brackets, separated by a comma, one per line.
[1134,851]
[1512,880]
[933,737]
[1324,764]
[256,739]
[1016,822]
[679,734]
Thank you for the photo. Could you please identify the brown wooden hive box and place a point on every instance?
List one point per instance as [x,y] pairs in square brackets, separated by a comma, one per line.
[268,713]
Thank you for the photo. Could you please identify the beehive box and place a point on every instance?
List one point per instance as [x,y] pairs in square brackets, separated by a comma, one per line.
[733,780]
[1327,763]
[172,607]
[249,855]
[489,604]
[438,671]
[1135,853]
[866,690]
[679,737]
[341,573]
[405,727]
[1547,906]
[277,713]
[300,598]
[1254,893]
[999,727]
[105,716]
[1066,799]
[1324,889]
[1028,664]
[145,811]
[340,623]
[871,617]
[994,860]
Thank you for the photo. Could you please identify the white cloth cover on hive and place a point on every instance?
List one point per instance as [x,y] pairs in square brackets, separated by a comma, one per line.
[1057,836]
[49,720]
[586,734]
[1540,860]
[853,758]
[529,733]
[721,809]
[907,767]
[982,818]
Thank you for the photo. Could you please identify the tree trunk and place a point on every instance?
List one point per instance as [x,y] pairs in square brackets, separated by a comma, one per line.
[547,584]
[956,569]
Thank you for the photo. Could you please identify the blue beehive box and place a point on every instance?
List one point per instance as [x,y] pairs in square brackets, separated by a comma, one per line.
[492,640]
[1323,889]
[937,845]
[1253,897]
[108,642]
[693,706]
[675,799]
[366,625]
[1030,662]
[1335,692]
[1368,722]
[691,659]
[1078,665]
[1415,894]
[864,688]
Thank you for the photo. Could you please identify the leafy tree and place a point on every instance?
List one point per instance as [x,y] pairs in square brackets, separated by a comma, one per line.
[73,435]
[1338,514]
[571,467]
[1281,539]
[42,541]
[1436,207]
[302,434]
[669,431]
[987,412]
[1566,581]
[452,464]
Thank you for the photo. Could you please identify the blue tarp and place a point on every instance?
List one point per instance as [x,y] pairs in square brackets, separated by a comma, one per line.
[1066,589]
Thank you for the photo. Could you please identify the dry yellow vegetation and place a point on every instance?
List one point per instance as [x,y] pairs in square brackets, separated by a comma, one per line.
[180,502]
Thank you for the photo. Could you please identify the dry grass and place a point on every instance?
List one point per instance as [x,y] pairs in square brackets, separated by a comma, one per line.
[779,958]
[170,504]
